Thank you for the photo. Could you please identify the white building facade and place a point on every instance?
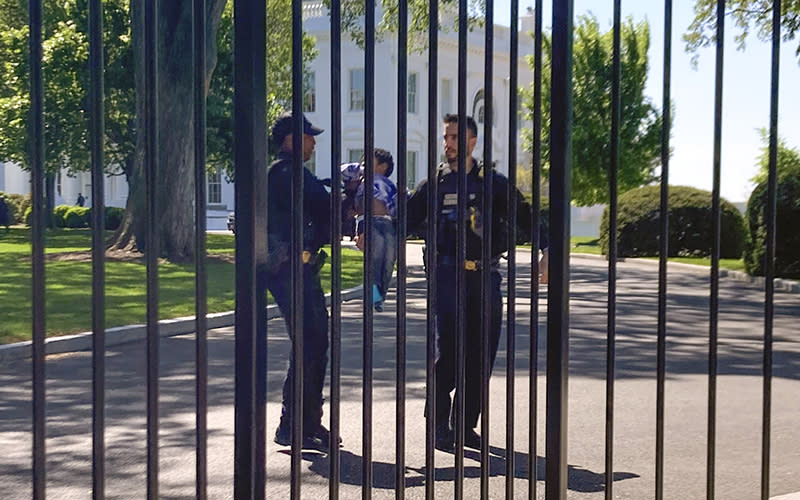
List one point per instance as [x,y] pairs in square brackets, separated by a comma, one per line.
[317,101]
[317,108]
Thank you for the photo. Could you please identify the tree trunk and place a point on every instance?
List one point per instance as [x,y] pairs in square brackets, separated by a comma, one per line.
[174,220]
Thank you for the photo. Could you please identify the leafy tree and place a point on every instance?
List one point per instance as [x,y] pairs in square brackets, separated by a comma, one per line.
[65,52]
[747,15]
[279,79]
[788,159]
[640,128]
[386,12]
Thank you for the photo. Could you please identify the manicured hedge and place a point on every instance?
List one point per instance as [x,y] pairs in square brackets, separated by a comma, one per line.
[17,204]
[690,224]
[60,214]
[787,229]
[76,217]
[112,219]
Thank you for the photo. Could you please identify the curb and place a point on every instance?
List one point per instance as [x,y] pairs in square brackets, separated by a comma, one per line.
[132,333]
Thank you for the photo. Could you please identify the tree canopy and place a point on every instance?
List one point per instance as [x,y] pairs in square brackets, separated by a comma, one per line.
[788,159]
[65,73]
[640,128]
[747,15]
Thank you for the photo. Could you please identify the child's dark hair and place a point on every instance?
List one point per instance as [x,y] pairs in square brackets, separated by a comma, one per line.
[383,156]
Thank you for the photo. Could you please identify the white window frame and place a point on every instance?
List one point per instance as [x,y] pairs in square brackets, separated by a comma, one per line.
[310,94]
[354,155]
[412,92]
[411,169]
[357,99]
[214,187]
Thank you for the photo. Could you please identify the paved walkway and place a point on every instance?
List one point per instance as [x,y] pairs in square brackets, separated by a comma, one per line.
[738,402]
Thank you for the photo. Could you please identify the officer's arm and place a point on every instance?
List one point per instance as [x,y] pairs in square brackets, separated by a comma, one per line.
[417,208]
[318,201]
[523,216]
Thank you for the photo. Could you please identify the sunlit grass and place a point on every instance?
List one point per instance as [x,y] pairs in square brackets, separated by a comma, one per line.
[68,288]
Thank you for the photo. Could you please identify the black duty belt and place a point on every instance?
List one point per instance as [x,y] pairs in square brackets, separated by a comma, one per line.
[469,265]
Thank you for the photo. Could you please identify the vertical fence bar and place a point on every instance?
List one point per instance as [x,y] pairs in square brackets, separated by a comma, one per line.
[616,112]
[431,251]
[511,341]
[296,248]
[336,246]
[486,248]
[250,172]
[96,132]
[533,367]
[769,271]
[201,293]
[558,290]
[402,130]
[715,254]
[461,250]
[369,275]
[661,349]
[151,237]
[37,245]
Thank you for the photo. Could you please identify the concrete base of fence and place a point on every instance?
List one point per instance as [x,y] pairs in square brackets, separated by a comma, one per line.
[131,333]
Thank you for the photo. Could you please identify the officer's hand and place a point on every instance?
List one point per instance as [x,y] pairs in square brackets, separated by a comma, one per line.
[360,242]
[544,264]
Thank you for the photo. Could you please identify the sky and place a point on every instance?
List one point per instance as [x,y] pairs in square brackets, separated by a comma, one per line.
[745,94]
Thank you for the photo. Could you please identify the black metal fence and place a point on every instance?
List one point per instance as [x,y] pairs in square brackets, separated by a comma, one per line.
[250,470]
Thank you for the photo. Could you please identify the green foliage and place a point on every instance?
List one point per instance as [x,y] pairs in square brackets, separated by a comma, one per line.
[16,204]
[113,217]
[279,79]
[28,214]
[76,217]
[640,127]
[787,228]
[690,224]
[788,159]
[353,11]
[65,71]
[59,215]
[747,15]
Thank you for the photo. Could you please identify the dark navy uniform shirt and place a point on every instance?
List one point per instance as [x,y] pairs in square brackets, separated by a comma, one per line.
[316,205]
[447,212]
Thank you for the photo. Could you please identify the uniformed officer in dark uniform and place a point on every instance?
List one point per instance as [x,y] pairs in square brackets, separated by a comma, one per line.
[316,232]
[447,217]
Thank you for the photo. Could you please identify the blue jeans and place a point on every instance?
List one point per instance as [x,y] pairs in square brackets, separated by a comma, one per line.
[315,342]
[384,252]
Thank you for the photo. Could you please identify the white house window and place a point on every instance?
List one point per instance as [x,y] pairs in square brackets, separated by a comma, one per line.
[310,95]
[412,93]
[214,187]
[58,183]
[447,96]
[354,155]
[357,89]
[411,169]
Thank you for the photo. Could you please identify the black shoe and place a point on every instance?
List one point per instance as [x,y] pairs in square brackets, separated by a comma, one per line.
[379,306]
[319,440]
[283,434]
[472,439]
[444,438]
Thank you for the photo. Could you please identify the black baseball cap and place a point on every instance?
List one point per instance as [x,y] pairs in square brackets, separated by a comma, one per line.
[283,127]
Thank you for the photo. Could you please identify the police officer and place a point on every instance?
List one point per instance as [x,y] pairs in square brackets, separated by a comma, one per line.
[447,265]
[316,232]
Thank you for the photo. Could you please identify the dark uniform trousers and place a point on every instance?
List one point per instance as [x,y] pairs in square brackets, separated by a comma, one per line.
[447,325]
[315,341]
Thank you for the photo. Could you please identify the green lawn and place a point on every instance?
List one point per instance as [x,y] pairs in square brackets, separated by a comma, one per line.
[591,245]
[68,292]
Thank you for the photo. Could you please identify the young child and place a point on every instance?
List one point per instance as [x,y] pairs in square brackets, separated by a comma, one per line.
[384,236]
[352,176]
